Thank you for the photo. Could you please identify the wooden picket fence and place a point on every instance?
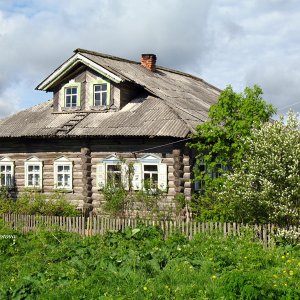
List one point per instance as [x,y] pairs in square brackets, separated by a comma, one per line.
[94,225]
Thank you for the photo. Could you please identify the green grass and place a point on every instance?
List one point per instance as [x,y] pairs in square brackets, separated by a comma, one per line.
[139,264]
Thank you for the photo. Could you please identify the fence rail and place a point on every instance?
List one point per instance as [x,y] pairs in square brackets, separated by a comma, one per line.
[94,225]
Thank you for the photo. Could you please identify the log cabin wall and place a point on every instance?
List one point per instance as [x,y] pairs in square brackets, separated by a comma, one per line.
[86,154]
[47,151]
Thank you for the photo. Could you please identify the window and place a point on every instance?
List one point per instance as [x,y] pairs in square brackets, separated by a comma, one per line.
[150,176]
[71,95]
[113,174]
[63,173]
[203,169]
[6,172]
[99,91]
[111,171]
[33,173]
[100,94]
[150,173]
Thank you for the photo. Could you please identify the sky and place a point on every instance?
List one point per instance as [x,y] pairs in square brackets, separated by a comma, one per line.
[224,42]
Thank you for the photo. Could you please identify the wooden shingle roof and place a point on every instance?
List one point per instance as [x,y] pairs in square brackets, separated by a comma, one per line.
[178,103]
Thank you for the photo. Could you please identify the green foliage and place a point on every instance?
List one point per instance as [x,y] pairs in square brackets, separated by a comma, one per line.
[122,200]
[233,117]
[265,189]
[139,264]
[219,144]
[35,203]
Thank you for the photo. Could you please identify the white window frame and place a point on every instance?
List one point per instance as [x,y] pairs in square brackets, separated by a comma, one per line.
[101,93]
[34,162]
[71,96]
[139,175]
[92,84]
[63,162]
[7,162]
[102,171]
[62,95]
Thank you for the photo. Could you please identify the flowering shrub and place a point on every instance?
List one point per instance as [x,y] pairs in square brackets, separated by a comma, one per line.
[287,237]
[266,189]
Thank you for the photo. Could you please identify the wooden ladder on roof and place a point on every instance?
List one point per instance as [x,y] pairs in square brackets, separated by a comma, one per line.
[68,126]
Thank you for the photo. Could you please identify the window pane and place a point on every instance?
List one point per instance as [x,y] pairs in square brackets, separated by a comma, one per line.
[103,87]
[74,90]
[36,169]
[146,176]
[154,178]
[67,180]
[2,180]
[97,88]
[36,179]
[2,169]
[152,168]
[8,180]
[30,179]
[60,168]
[74,100]
[68,91]
[67,168]
[104,99]
[8,169]
[97,97]
[113,168]
[68,101]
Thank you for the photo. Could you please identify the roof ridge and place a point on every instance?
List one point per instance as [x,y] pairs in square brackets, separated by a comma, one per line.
[80,50]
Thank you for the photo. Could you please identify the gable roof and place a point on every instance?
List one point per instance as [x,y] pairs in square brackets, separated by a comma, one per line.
[178,103]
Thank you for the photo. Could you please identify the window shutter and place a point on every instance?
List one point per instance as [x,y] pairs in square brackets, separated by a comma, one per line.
[137,176]
[101,175]
[162,176]
[124,176]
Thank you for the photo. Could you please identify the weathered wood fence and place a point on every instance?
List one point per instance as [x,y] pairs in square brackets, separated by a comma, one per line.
[100,225]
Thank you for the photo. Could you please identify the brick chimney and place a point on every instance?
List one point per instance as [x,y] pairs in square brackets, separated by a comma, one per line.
[149,61]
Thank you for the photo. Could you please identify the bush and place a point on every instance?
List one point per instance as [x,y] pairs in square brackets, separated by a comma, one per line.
[35,203]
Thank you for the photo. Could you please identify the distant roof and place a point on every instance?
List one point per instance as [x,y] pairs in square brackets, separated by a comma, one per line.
[178,103]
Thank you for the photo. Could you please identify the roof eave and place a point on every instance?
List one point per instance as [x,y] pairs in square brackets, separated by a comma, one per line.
[71,62]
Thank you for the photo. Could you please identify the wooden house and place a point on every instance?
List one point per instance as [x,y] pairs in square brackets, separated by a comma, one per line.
[106,112]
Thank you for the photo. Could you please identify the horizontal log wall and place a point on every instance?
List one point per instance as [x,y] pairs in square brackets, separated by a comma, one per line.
[129,149]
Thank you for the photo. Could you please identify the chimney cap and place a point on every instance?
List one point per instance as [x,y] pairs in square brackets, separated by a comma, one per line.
[149,55]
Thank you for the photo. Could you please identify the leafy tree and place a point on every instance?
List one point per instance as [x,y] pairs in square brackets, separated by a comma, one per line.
[266,188]
[219,144]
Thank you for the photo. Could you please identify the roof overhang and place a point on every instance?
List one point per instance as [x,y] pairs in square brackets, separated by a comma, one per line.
[69,64]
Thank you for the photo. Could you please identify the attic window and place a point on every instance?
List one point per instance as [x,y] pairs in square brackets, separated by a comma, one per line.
[99,91]
[100,94]
[71,95]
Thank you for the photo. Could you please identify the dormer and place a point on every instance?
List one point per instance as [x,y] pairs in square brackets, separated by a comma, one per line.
[81,84]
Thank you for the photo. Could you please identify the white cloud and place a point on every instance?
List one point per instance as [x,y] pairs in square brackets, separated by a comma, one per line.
[223,41]
[9,102]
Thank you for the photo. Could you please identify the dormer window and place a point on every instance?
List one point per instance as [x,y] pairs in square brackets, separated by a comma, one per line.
[99,91]
[100,94]
[71,96]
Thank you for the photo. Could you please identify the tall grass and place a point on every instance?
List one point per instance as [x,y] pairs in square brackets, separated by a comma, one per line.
[139,264]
